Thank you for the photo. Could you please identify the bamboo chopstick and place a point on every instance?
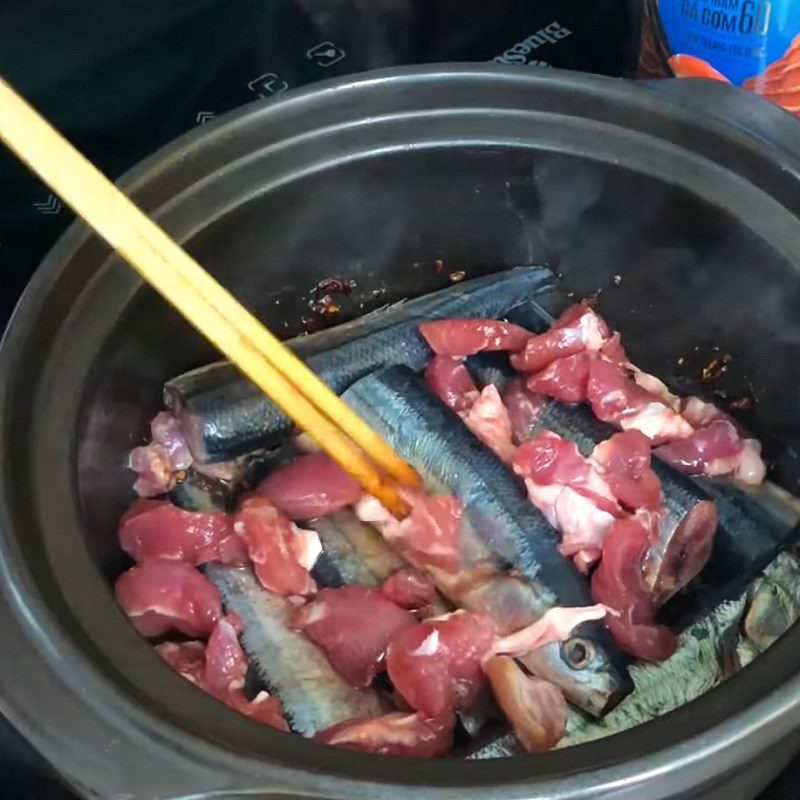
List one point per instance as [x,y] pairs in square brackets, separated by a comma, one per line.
[209,307]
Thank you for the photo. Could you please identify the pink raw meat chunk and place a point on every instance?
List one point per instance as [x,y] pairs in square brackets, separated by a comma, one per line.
[430,534]
[624,462]
[565,379]
[159,596]
[618,583]
[536,708]
[635,493]
[264,708]
[282,554]
[226,663]
[394,734]
[547,458]
[158,462]
[699,413]
[219,669]
[578,329]
[409,588]
[583,524]
[158,529]
[613,350]
[751,467]
[450,381]
[542,350]
[617,399]
[309,486]
[712,450]
[595,328]
[465,337]
[625,453]
[436,664]
[488,419]
[570,493]
[523,408]
[716,444]
[353,625]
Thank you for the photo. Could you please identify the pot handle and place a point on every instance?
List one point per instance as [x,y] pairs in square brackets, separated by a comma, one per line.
[748,112]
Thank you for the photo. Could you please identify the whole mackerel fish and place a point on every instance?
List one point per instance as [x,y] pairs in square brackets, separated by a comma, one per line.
[755,522]
[434,440]
[224,415]
[313,694]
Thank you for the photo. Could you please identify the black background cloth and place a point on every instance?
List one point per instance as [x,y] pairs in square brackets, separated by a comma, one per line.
[121,78]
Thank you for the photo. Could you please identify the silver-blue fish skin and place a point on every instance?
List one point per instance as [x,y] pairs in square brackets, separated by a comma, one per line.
[339,564]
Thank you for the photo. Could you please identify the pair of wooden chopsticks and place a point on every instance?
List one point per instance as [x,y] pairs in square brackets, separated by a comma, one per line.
[210,308]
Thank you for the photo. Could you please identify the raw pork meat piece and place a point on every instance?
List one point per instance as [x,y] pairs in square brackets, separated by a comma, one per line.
[578,329]
[570,493]
[309,486]
[449,379]
[219,669]
[226,664]
[488,419]
[564,379]
[523,408]
[617,399]
[624,462]
[158,463]
[429,535]
[353,625]
[188,659]
[436,664]
[543,349]
[157,529]
[618,583]
[160,596]
[409,588]
[716,449]
[282,554]
[712,450]
[465,337]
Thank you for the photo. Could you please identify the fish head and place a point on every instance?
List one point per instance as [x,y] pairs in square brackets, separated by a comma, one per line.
[587,667]
[773,610]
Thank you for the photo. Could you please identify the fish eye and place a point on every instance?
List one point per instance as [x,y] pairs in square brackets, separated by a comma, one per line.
[578,653]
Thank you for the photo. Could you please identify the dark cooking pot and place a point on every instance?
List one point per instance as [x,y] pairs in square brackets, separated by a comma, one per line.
[374,178]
